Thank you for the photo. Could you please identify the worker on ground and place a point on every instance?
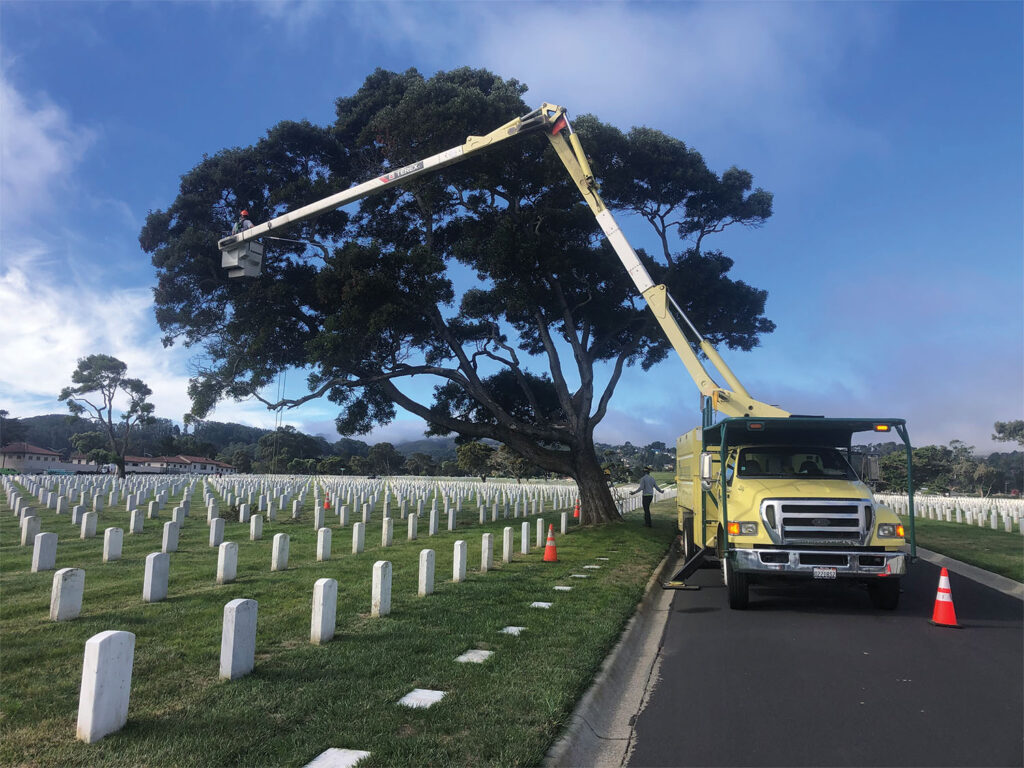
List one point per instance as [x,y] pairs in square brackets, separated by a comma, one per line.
[647,487]
[242,224]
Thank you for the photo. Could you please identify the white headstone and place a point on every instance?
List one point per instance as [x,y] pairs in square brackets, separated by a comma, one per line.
[238,638]
[565,524]
[325,609]
[44,552]
[156,576]
[135,522]
[487,552]
[88,529]
[524,539]
[170,539]
[459,566]
[426,586]
[380,596]
[358,538]
[318,519]
[256,528]
[113,538]
[217,532]
[540,533]
[106,684]
[66,595]
[279,553]
[227,562]
[30,527]
[506,544]
[387,532]
[323,544]
[413,522]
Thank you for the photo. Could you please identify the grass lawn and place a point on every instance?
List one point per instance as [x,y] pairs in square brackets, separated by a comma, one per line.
[302,699]
[996,551]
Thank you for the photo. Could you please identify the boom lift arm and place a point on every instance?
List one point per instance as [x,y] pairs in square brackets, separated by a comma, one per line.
[244,254]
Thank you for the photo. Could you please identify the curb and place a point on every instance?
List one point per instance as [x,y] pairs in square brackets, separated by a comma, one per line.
[974,573]
[600,730]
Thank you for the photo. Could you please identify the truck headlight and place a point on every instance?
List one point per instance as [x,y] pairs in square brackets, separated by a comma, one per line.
[890,531]
[743,529]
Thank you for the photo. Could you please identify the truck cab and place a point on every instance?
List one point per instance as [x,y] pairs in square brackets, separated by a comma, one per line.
[788,505]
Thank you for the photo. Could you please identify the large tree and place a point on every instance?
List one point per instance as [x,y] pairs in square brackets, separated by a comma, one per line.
[527,354]
[99,381]
[1007,431]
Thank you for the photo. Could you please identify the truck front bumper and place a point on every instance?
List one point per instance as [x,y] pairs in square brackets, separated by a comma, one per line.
[801,562]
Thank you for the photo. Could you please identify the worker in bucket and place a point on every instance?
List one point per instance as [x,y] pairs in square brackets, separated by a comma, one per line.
[647,487]
[242,224]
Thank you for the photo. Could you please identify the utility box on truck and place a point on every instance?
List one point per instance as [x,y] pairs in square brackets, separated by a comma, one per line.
[788,505]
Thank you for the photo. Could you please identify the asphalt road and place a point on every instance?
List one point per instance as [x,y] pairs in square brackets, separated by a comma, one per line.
[817,677]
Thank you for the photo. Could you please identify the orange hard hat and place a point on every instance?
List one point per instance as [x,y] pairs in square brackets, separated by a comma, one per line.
[245,213]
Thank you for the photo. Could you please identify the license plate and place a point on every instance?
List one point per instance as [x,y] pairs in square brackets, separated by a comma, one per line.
[824,573]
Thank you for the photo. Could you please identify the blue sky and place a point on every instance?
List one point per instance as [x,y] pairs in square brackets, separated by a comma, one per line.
[889,133]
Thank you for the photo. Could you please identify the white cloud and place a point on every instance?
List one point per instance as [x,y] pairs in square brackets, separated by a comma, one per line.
[760,69]
[39,148]
[56,322]
[295,16]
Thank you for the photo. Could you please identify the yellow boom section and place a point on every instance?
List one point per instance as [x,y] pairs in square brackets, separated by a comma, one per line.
[731,401]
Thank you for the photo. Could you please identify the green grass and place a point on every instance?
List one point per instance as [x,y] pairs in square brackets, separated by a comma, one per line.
[302,699]
[996,551]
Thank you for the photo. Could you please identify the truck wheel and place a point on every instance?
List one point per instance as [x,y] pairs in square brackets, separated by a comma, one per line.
[736,585]
[689,548]
[885,593]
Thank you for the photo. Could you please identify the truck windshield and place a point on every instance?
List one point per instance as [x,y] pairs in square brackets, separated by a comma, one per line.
[787,461]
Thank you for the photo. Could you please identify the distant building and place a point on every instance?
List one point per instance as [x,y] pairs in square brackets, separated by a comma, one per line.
[26,458]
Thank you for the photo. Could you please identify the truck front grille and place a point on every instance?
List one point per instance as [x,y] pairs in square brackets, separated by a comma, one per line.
[817,521]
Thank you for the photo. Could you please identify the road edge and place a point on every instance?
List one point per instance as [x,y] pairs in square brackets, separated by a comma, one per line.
[974,573]
[600,730]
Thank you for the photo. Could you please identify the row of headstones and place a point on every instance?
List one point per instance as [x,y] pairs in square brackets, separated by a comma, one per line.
[60,504]
[69,583]
[109,656]
[45,544]
[49,491]
[964,511]
[464,490]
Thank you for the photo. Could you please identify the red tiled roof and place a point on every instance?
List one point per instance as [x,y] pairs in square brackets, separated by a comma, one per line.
[26,448]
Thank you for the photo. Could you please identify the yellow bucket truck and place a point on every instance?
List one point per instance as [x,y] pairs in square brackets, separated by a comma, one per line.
[788,503]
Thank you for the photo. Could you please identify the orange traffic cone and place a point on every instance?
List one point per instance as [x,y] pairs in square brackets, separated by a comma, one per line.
[944,615]
[576,512]
[327,503]
[550,553]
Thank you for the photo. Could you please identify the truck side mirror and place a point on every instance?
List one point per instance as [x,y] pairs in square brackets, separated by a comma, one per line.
[707,470]
[871,469]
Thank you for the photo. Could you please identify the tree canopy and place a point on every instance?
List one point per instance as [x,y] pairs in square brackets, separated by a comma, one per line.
[98,381]
[516,353]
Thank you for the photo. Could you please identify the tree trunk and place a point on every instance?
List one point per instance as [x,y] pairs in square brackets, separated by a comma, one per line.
[596,503]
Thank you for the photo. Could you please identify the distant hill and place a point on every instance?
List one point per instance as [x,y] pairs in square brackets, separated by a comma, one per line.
[54,430]
[438,448]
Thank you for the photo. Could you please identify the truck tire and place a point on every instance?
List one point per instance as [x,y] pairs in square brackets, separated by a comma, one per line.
[689,547]
[736,585]
[885,593]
